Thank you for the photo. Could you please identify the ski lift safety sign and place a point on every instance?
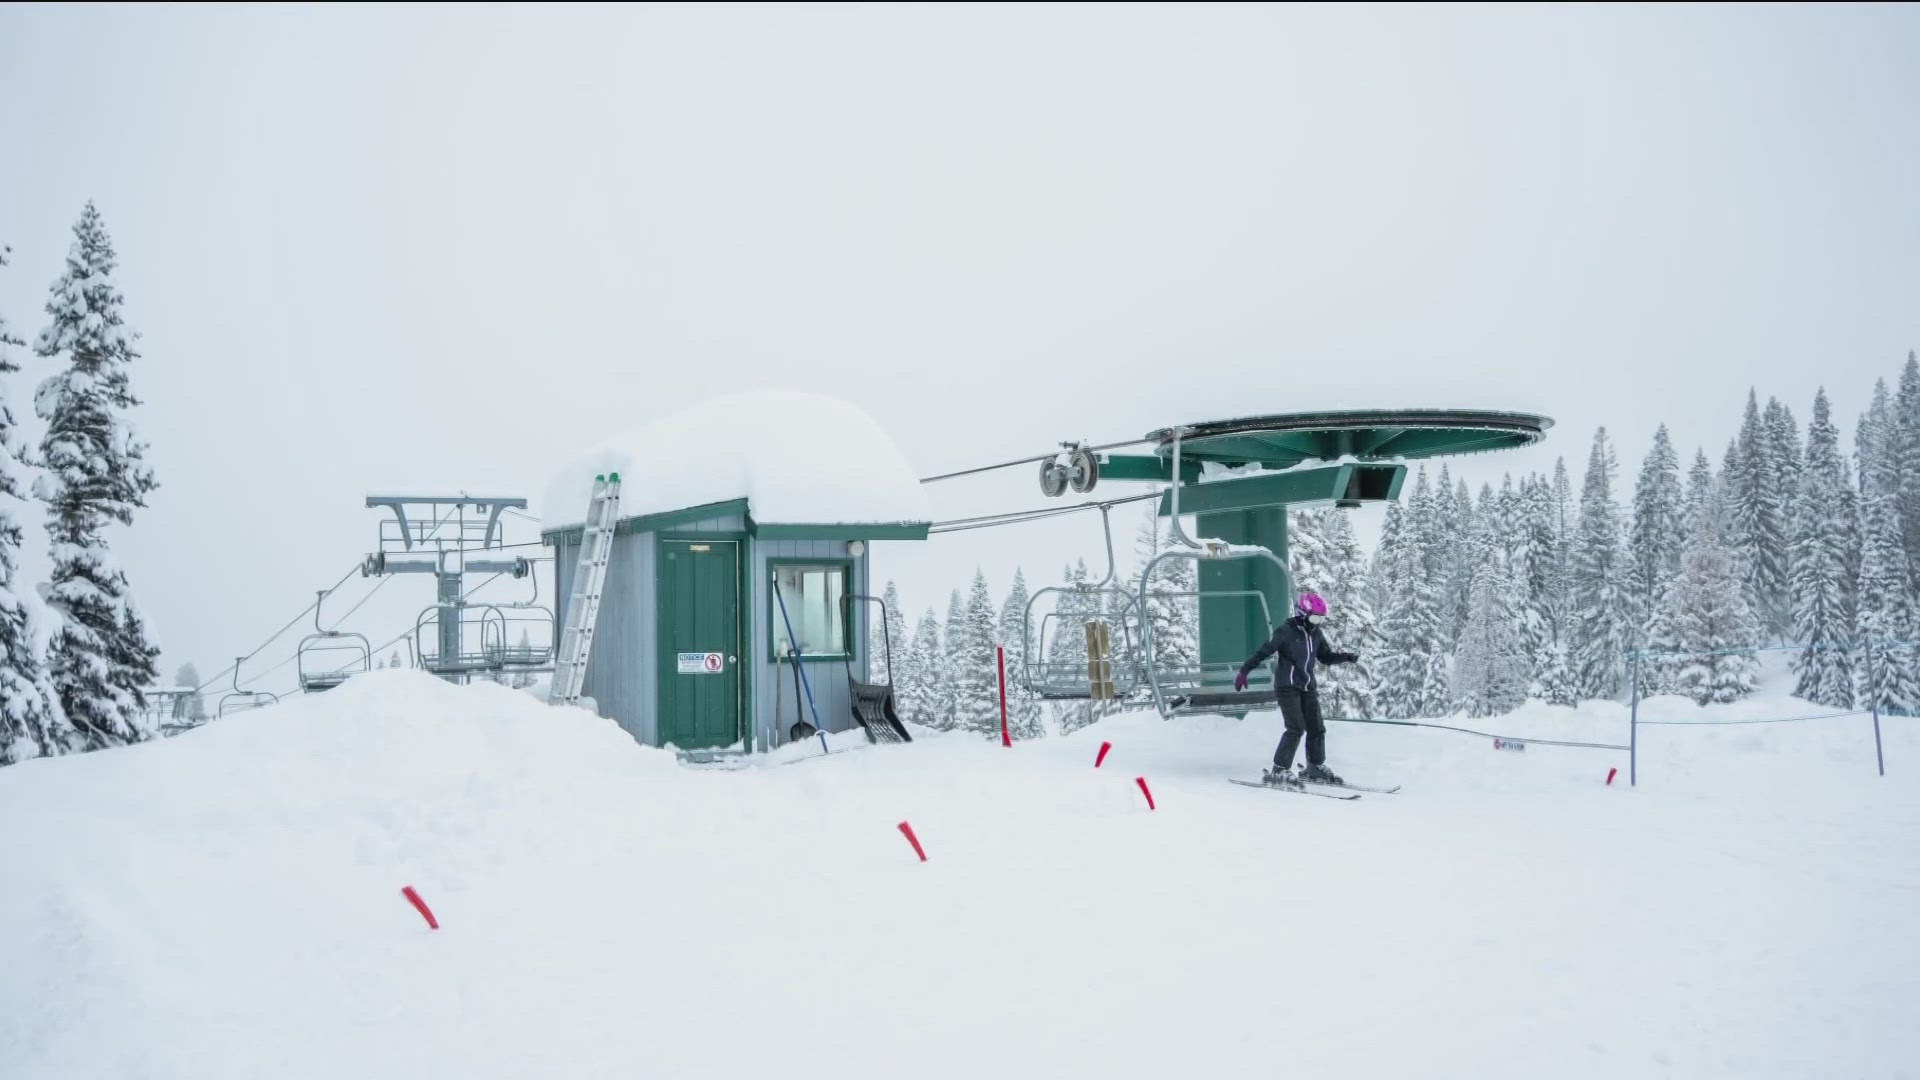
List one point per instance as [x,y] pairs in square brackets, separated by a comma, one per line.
[700,663]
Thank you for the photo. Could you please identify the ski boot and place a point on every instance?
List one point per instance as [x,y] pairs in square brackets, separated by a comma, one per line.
[1279,777]
[1320,774]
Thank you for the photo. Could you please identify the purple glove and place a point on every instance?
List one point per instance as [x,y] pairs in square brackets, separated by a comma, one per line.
[1240,681]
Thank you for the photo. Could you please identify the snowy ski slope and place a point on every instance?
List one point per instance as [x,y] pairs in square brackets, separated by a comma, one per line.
[227,903]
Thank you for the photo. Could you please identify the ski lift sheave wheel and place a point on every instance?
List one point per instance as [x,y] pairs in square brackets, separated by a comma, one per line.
[1083,470]
[1053,478]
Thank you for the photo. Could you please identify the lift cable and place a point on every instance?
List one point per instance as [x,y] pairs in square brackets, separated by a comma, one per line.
[1019,517]
[271,638]
[1030,460]
[305,611]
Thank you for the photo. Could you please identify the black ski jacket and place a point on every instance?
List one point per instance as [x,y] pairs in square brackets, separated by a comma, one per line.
[1294,646]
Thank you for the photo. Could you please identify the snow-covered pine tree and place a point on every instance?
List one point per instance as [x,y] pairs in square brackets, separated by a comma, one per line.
[1703,496]
[188,677]
[1906,437]
[31,724]
[1411,677]
[1825,527]
[976,676]
[1381,585]
[1565,514]
[1752,535]
[953,640]
[922,693]
[1324,556]
[1601,633]
[1658,533]
[1787,459]
[1710,622]
[1536,566]
[1489,674]
[1453,538]
[886,638]
[1885,678]
[1024,714]
[100,659]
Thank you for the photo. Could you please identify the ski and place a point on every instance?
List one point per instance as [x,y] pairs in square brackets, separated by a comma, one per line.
[1355,787]
[1290,790]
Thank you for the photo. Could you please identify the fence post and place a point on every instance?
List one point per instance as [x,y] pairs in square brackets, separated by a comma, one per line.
[1633,724]
[1873,702]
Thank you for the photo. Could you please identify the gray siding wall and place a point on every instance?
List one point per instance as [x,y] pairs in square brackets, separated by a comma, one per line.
[623,672]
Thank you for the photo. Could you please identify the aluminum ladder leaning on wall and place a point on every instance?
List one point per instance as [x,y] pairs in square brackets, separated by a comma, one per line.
[589,577]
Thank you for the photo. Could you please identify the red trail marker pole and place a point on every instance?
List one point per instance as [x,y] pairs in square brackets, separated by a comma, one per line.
[420,906]
[906,830]
[1000,654]
[1611,773]
[1144,790]
[1102,755]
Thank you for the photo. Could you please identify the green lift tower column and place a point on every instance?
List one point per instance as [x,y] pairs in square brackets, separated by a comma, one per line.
[1232,627]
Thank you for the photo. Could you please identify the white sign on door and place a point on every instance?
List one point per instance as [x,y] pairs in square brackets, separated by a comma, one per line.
[699,663]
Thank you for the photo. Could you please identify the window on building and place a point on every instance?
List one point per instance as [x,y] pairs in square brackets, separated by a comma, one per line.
[814,594]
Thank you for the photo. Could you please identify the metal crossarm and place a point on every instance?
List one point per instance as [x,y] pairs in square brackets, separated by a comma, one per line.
[589,577]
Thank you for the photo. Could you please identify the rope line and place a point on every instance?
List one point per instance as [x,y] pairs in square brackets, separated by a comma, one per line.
[1482,734]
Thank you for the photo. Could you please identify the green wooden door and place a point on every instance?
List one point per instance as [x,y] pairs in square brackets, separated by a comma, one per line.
[699,643]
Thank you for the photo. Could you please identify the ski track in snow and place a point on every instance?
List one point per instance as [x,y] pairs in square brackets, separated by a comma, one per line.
[227,903]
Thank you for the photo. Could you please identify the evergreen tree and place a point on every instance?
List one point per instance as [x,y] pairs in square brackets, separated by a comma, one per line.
[1905,435]
[1786,459]
[31,724]
[1411,677]
[1658,532]
[953,678]
[1825,527]
[1601,632]
[1324,556]
[1754,518]
[922,691]
[1885,678]
[886,638]
[1711,622]
[1537,562]
[1564,509]
[1489,676]
[100,658]
[976,673]
[1024,714]
[1703,500]
[188,678]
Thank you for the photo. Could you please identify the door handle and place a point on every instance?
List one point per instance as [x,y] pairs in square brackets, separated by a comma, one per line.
[733,659]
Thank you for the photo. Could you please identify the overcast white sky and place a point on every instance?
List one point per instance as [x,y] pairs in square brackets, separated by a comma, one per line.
[447,247]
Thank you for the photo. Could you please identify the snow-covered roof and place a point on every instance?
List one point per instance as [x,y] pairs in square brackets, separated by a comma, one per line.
[797,458]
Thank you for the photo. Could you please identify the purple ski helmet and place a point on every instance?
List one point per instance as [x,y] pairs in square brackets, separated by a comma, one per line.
[1311,604]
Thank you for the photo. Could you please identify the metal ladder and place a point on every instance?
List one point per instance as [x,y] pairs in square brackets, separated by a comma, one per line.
[589,577]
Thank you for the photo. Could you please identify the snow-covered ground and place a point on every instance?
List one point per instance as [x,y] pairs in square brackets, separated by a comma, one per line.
[226,903]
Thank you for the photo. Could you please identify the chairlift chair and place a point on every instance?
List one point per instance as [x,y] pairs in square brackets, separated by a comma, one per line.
[1104,601]
[1204,688]
[239,700]
[499,621]
[325,646]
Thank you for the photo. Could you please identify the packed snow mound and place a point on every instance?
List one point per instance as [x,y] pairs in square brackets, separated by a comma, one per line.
[797,458]
[226,903]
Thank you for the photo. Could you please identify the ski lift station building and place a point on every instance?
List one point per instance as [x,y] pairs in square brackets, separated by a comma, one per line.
[718,503]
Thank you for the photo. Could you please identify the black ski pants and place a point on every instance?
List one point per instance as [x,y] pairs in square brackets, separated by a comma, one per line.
[1301,710]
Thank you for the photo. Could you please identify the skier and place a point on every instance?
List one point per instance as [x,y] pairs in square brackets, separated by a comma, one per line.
[1295,645]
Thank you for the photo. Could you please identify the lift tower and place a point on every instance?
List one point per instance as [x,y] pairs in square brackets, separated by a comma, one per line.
[447,536]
